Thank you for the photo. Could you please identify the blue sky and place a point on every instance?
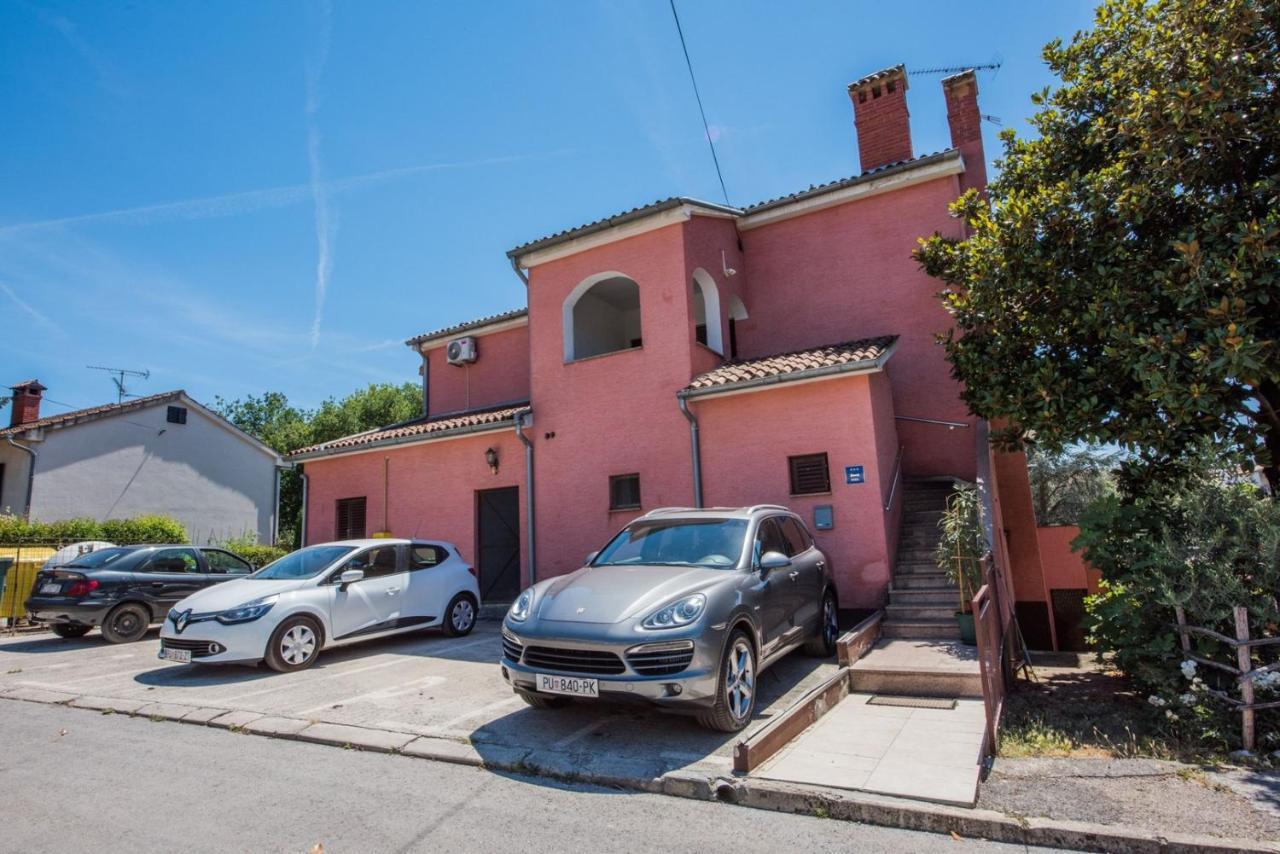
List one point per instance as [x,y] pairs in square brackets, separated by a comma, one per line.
[242,197]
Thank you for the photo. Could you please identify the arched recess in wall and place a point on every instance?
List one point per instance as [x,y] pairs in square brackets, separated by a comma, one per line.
[706,311]
[737,314]
[601,315]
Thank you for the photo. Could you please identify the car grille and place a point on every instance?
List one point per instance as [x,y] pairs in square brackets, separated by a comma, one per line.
[573,660]
[198,648]
[661,659]
[511,649]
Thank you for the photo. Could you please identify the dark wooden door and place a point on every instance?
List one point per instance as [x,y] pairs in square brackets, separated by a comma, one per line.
[498,543]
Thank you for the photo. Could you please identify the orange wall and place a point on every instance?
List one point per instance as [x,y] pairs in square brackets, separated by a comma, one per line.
[1064,568]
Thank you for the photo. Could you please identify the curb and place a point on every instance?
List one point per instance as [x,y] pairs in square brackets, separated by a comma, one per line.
[683,783]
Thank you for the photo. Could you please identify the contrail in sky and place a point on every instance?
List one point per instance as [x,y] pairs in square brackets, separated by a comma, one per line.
[249,201]
[28,308]
[326,227]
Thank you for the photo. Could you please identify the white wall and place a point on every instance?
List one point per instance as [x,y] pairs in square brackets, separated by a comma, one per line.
[201,473]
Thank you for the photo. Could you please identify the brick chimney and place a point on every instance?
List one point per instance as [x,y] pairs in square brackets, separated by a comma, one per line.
[25,406]
[965,121]
[881,118]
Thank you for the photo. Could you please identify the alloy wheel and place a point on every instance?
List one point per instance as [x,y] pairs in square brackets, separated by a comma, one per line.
[740,679]
[462,616]
[126,622]
[298,644]
[830,622]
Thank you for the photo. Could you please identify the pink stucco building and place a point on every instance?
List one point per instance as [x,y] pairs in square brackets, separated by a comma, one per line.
[689,353]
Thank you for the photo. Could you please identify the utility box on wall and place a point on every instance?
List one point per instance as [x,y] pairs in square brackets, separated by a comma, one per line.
[823,518]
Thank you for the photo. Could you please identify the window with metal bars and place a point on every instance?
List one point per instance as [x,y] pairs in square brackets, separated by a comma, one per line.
[810,474]
[350,519]
[624,492]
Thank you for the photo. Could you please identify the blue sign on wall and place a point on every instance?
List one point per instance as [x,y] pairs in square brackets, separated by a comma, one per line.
[853,474]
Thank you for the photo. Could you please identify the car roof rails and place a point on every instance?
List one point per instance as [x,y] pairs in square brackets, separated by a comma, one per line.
[754,507]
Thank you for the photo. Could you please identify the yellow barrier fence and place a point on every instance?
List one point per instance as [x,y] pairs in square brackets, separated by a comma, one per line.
[27,560]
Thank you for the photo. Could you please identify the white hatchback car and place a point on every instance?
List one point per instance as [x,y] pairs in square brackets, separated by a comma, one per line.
[322,596]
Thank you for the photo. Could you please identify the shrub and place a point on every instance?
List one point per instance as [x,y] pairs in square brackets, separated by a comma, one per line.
[142,529]
[963,543]
[1205,546]
[251,550]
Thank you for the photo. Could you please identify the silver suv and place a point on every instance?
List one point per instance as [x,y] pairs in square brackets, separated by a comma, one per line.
[683,607]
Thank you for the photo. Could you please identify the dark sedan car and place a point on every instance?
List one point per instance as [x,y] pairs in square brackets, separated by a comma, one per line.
[125,589]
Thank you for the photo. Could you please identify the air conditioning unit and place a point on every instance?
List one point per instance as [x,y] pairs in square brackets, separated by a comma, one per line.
[461,351]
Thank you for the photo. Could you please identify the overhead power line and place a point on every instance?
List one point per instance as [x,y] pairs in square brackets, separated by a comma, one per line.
[705,127]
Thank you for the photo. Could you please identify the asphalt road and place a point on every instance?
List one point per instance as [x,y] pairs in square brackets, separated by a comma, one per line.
[76,780]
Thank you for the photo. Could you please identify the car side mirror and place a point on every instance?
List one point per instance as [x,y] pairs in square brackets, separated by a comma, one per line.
[590,558]
[349,576]
[770,561]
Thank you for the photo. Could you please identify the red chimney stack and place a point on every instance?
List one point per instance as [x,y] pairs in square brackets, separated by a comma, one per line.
[881,118]
[965,121]
[25,406]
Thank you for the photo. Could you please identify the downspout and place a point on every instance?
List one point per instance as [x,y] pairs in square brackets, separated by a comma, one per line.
[302,522]
[530,517]
[31,475]
[515,265]
[426,385]
[695,450]
[275,512]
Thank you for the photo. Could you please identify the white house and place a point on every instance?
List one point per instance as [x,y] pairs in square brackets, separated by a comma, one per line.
[164,453]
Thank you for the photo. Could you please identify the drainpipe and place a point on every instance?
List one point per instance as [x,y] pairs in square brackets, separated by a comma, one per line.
[426,386]
[275,513]
[696,450]
[302,521]
[31,475]
[524,277]
[528,498]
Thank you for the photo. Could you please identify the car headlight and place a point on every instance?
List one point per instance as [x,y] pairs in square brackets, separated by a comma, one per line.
[677,614]
[248,611]
[520,608]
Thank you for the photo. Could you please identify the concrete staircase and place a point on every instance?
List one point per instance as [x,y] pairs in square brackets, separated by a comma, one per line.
[922,603]
[919,653]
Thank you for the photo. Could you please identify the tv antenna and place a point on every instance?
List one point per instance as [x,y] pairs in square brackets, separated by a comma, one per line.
[993,65]
[118,379]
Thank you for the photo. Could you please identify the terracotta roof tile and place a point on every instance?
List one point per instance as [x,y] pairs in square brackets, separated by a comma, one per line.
[412,429]
[617,219]
[792,366]
[91,412]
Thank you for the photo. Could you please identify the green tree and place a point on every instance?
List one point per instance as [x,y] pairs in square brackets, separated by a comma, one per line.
[1119,282]
[1064,483]
[287,428]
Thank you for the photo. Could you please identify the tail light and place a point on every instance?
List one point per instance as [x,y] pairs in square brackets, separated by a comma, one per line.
[473,571]
[80,586]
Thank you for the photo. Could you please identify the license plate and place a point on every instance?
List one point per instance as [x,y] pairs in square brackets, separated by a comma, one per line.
[51,587]
[574,686]
[182,656]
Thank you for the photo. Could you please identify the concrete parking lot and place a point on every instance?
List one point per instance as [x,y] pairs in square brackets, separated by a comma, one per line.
[425,685]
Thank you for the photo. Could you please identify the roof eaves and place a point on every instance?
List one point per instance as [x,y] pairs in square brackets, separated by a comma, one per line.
[852,181]
[616,220]
[468,326]
[331,448]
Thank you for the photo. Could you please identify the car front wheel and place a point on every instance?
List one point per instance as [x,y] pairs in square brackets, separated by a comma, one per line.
[126,623]
[294,645]
[67,630]
[736,687]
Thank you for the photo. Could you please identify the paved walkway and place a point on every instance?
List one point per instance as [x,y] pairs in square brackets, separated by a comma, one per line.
[925,754]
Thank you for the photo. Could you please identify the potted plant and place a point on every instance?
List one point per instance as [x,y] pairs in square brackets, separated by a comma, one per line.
[959,553]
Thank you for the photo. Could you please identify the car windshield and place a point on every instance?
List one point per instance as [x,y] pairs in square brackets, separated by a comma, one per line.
[100,558]
[714,543]
[304,563]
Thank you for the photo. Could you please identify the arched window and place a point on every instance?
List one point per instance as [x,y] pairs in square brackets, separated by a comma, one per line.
[601,315]
[706,311]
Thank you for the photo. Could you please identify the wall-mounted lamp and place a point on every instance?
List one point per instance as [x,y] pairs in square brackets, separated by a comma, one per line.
[491,457]
[724,263]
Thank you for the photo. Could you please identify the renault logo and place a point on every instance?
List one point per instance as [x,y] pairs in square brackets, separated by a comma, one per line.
[582,610]
[180,620]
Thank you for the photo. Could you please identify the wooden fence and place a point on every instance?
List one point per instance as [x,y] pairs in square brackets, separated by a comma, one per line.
[1243,670]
